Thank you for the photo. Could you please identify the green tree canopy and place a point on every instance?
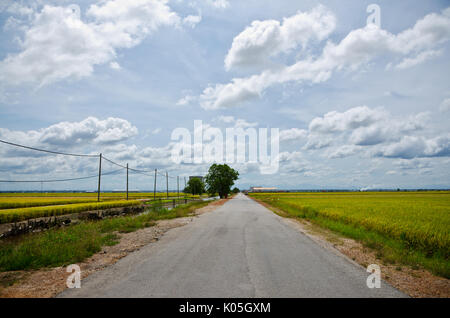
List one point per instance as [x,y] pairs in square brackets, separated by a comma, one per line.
[195,186]
[220,179]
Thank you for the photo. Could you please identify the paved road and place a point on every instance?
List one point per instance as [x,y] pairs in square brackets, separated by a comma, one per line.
[241,249]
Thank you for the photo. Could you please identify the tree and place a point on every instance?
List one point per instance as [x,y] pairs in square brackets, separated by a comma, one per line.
[195,186]
[236,190]
[220,179]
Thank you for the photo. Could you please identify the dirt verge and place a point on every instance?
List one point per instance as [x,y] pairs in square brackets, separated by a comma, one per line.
[49,282]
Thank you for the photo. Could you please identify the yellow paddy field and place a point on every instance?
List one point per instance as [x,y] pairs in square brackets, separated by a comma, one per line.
[21,206]
[414,225]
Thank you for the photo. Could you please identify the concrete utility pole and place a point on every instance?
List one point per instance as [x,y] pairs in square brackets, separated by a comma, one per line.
[167,184]
[99,177]
[127,181]
[154,187]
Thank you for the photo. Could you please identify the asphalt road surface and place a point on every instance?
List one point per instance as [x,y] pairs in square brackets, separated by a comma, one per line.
[241,249]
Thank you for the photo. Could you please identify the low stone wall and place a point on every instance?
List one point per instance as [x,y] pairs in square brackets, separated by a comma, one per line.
[42,223]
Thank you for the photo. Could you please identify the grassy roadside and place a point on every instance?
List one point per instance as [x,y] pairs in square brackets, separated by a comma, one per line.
[389,249]
[68,245]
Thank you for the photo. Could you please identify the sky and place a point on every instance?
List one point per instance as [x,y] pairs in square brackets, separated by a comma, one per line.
[358,105]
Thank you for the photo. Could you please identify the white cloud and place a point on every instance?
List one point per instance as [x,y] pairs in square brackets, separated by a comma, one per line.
[264,39]
[218,4]
[413,164]
[59,44]
[416,147]
[445,105]
[351,119]
[352,131]
[315,142]
[19,9]
[236,122]
[114,65]
[186,100]
[133,19]
[359,47]
[388,128]
[225,119]
[419,59]
[90,131]
[192,20]
[344,151]
[293,134]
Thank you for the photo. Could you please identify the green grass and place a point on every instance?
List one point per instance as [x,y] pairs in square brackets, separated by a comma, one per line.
[410,228]
[73,244]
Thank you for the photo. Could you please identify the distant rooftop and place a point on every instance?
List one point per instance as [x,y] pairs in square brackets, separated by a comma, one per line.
[263,189]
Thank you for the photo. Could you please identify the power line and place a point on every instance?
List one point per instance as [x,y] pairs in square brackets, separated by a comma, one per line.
[58,180]
[114,163]
[143,173]
[77,155]
[48,151]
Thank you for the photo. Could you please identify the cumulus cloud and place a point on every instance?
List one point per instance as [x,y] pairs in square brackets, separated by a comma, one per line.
[315,142]
[114,66]
[186,100]
[218,4]
[192,20]
[388,128]
[360,128]
[419,59]
[351,119]
[445,105]
[293,134]
[344,151]
[416,147]
[90,131]
[357,48]
[59,44]
[413,164]
[268,38]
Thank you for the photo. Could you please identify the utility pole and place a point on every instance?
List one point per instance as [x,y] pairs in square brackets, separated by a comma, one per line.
[99,177]
[178,187]
[154,188]
[167,184]
[127,181]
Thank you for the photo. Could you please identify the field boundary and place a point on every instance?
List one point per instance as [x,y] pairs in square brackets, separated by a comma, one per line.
[47,222]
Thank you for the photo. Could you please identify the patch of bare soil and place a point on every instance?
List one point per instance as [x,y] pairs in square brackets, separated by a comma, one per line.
[417,283]
[49,282]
